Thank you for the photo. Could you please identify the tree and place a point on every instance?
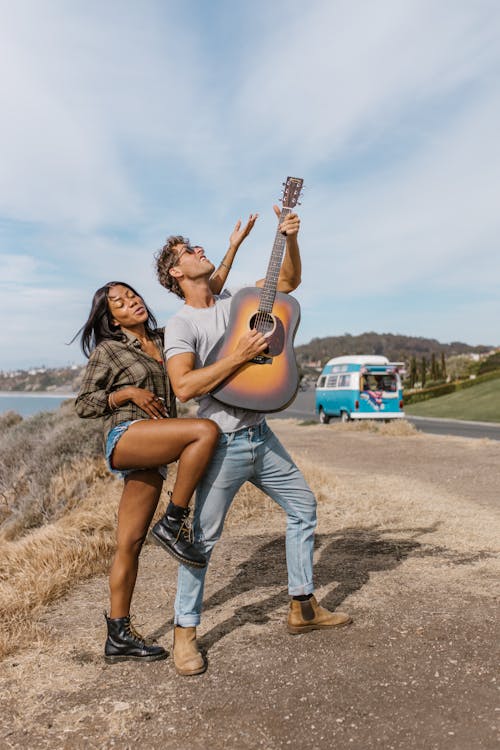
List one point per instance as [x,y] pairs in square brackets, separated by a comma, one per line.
[459,366]
[413,372]
[434,367]
[443,365]
[424,371]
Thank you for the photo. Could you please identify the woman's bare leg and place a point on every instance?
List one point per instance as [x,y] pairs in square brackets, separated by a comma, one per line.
[137,506]
[151,443]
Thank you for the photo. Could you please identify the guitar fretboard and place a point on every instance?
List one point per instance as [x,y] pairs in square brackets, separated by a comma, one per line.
[268,293]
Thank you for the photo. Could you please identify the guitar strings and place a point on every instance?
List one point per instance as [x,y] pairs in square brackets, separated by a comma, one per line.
[262,317]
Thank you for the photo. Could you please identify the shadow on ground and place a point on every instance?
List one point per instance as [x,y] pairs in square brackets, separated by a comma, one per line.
[346,558]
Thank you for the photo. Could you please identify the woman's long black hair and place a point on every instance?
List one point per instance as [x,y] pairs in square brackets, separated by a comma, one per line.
[99,325]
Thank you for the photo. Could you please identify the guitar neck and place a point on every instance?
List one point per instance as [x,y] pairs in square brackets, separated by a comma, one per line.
[268,294]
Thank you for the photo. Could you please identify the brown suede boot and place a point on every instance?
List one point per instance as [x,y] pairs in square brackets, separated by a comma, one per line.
[308,615]
[188,659]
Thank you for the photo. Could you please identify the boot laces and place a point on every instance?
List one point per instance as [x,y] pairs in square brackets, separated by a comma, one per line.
[186,530]
[133,632]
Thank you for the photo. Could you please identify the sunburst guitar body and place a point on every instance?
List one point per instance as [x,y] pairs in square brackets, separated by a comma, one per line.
[270,381]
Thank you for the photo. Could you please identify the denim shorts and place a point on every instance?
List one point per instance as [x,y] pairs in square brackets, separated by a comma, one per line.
[113,437]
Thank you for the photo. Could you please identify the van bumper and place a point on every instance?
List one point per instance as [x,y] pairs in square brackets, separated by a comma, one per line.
[378,415]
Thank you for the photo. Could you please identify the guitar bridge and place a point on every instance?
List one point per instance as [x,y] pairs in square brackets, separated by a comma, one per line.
[261,359]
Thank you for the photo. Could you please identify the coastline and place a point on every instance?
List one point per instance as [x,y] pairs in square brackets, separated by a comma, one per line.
[37,394]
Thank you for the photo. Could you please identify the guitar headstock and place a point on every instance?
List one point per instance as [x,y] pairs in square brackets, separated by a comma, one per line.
[291,191]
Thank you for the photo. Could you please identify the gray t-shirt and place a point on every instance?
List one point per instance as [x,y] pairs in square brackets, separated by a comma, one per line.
[199,331]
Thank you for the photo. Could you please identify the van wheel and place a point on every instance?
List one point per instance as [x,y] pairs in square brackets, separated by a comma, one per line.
[323,418]
[344,417]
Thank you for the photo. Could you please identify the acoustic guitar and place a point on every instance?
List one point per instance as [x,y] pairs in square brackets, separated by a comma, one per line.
[270,381]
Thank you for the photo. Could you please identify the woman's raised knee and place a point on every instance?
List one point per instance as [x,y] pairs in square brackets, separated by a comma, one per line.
[209,430]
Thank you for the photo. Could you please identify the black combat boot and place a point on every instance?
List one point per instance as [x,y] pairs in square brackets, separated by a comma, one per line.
[175,535]
[124,642]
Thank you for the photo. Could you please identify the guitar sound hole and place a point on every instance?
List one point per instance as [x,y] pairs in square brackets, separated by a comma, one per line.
[262,322]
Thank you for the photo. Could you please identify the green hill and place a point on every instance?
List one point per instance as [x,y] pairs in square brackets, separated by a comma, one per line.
[394,346]
[481,403]
[489,364]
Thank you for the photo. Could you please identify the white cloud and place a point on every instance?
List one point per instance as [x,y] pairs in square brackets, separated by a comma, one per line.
[17,269]
[339,75]
[91,90]
[122,126]
[37,330]
[432,218]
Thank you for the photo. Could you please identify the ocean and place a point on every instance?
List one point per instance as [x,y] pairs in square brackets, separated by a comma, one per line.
[28,404]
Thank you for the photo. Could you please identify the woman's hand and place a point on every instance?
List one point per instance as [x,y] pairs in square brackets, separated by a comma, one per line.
[218,278]
[238,234]
[144,399]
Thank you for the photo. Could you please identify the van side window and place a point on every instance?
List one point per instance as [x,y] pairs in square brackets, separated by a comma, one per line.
[321,382]
[344,381]
[331,381]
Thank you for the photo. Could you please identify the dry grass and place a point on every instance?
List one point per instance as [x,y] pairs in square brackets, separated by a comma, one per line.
[9,419]
[56,514]
[394,428]
[40,565]
[36,455]
[251,504]
[45,564]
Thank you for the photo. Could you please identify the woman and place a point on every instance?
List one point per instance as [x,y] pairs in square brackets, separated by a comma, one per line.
[126,383]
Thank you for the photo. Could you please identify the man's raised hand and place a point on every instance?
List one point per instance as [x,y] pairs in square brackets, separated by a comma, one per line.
[290,225]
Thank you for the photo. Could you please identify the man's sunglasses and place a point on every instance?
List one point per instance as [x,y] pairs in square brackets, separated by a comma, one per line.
[190,249]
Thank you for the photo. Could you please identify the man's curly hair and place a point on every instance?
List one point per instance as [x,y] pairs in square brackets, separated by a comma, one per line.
[165,260]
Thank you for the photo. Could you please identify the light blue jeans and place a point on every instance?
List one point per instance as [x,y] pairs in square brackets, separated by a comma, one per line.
[253,454]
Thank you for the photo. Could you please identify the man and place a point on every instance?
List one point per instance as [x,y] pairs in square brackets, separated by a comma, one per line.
[247,450]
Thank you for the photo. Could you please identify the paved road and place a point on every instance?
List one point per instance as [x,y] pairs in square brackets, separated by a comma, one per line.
[303,408]
[456,427]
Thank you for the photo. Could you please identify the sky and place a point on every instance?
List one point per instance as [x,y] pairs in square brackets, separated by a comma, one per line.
[125,122]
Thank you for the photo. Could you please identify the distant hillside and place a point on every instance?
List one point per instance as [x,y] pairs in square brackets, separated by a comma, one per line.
[489,364]
[62,379]
[394,346]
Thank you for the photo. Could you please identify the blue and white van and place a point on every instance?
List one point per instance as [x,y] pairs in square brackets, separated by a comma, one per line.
[360,387]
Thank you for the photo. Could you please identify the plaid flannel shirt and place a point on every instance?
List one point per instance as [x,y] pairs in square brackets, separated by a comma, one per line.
[114,365]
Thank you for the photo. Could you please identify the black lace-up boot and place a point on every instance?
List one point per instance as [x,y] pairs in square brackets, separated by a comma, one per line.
[173,532]
[124,642]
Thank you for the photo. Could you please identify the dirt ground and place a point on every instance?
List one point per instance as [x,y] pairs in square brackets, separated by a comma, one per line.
[407,543]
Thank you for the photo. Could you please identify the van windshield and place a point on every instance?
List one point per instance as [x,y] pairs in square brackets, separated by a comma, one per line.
[387,382]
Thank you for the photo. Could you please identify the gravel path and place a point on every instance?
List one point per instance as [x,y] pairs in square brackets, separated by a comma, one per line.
[406,543]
